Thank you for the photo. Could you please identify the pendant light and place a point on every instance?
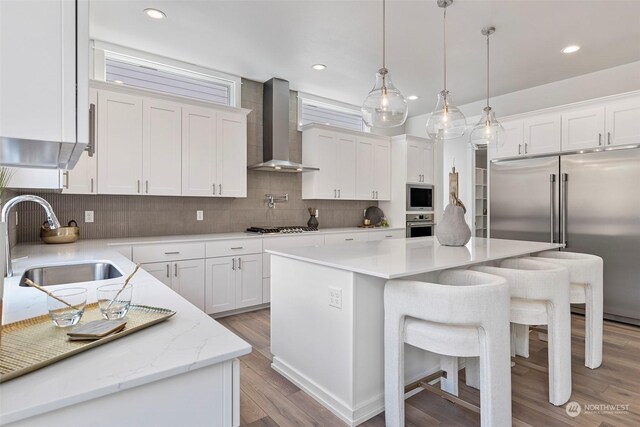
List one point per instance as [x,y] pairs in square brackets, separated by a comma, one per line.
[384,106]
[488,130]
[446,121]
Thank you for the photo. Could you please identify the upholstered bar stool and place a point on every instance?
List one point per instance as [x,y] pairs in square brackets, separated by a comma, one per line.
[585,272]
[467,315]
[540,296]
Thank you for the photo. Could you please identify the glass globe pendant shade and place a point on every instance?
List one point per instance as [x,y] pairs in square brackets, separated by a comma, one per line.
[384,106]
[487,131]
[446,121]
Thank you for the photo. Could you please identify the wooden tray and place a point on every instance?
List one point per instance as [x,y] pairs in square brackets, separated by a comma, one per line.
[34,343]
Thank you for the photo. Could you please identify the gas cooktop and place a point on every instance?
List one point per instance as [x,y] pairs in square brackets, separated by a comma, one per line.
[281,230]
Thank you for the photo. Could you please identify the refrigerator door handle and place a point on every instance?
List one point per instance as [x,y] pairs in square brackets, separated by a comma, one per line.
[552,207]
[563,209]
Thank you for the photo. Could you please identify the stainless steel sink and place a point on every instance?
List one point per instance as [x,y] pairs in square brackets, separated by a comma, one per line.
[71,273]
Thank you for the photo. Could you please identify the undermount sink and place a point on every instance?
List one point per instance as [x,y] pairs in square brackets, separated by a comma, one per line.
[70,273]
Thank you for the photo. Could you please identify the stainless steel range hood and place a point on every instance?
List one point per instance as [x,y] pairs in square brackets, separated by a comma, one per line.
[275,151]
[39,154]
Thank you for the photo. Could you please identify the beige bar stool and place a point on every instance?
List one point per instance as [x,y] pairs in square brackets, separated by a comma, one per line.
[540,296]
[467,315]
[585,272]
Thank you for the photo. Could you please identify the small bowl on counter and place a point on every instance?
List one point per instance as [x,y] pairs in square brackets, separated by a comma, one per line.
[67,234]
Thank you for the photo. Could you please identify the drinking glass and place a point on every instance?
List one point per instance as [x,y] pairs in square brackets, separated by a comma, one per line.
[63,315]
[113,303]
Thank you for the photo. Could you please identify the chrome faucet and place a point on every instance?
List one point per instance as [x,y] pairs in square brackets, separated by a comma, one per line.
[51,219]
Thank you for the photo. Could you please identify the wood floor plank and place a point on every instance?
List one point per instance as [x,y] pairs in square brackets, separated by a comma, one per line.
[268,399]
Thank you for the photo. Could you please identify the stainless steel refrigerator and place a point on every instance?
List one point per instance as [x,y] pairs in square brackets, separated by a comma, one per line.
[589,201]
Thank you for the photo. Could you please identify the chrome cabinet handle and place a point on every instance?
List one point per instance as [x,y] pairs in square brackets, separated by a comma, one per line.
[335,193]
[599,139]
[91,146]
[376,194]
[372,194]
[552,206]
[233,263]
[608,138]
[65,174]
[339,195]
[239,263]
[238,247]
[146,184]
[138,186]
[220,189]
[390,235]
[175,270]
[348,240]
[172,253]
[213,189]
[526,148]
[92,185]
[519,149]
[167,270]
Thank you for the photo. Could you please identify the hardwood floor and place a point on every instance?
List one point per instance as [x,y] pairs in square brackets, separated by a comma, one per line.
[268,399]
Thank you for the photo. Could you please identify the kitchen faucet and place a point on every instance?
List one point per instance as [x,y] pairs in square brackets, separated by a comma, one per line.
[51,219]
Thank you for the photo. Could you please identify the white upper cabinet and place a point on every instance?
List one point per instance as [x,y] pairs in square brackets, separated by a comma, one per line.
[161,142]
[419,161]
[583,128]
[199,151]
[120,143]
[623,122]
[511,141]
[45,54]
[541,134]
[353,165]
[334,153]
[232,154]
[214,153]
[83,178]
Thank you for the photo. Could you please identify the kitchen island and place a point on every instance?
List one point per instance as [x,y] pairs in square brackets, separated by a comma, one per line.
[183,371]
[327,313]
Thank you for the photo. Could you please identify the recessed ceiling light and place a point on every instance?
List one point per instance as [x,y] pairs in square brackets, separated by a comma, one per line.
[120,82]
[413,97]
[571,49]
[155,13]
[318,67]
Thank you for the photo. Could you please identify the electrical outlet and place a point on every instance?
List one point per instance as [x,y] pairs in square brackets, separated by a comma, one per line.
[335,297]
[88,216]
[199,215]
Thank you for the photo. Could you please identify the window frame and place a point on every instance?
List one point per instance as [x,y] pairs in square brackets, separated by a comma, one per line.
[305,98]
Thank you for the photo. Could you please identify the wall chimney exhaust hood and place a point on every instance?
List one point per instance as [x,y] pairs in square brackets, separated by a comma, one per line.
[39,154]
[275,149]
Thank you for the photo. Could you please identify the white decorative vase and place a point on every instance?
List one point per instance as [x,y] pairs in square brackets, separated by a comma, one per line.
[453,229]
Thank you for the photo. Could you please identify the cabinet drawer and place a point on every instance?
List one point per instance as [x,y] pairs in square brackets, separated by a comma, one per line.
[332,239]
[233,247]
[167,252]
[386,234]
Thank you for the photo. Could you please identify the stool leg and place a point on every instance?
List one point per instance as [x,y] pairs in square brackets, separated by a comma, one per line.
[593,327]
[521,339]
[394,372]
[472,372]
[449,364]
[495,383]
[559,351]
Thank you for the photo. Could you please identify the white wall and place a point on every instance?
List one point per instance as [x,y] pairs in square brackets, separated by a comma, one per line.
[611,81]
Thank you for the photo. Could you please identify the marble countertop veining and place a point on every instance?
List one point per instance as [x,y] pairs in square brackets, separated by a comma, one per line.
[395,258]
[187,341]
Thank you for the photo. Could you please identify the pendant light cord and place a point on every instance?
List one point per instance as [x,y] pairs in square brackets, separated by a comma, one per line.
[444,31]
[488,70]
[384,34]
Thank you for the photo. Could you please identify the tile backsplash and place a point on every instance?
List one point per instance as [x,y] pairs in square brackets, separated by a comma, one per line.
[134,216]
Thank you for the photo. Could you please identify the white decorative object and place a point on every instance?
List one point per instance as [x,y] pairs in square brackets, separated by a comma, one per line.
[445,318]
[540,296]
[453,229]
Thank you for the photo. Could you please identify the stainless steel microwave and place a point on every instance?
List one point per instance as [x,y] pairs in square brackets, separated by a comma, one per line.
[420,197]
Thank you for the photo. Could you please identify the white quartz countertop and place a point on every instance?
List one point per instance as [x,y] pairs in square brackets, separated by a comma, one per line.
[233,236]
[390,259]
[187,341]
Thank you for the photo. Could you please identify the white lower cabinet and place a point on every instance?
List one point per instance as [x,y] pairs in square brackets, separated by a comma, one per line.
[184,277]
[233,282]
[386,234]
[332,239]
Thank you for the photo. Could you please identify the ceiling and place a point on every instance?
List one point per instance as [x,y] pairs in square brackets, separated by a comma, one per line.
[260,39]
